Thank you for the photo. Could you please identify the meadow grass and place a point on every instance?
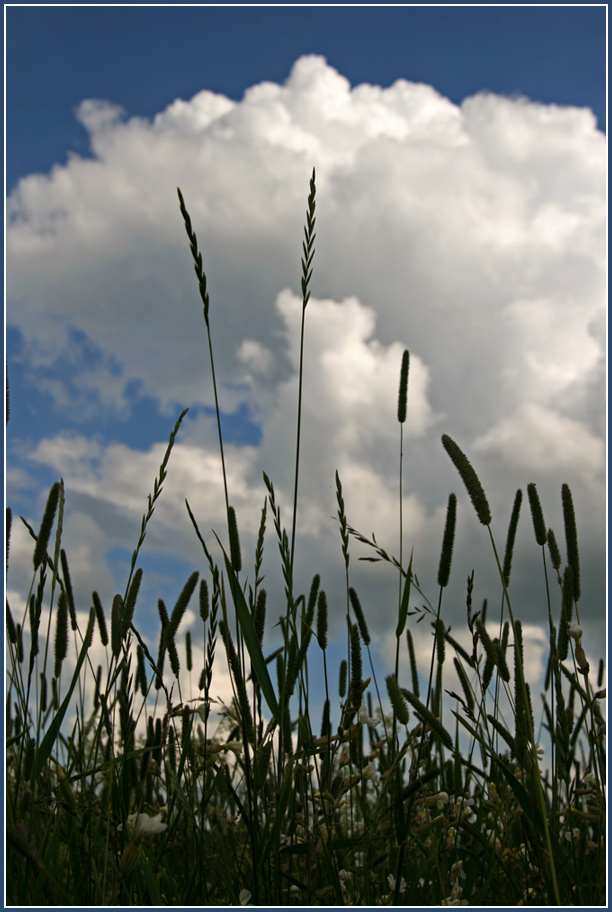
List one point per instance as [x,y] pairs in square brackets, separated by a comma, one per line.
[121,792]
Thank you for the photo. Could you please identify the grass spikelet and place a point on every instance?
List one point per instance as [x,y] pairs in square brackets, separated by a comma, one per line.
[363,627]
[40,551]
[10,625]
[116,612]
[343,524]
[553,550]
[262,763]
[465,684]
[428,717]
[566,614]
[234,540]
[325,721]
[203,600]
[130,603]
[259,617]
[469,478]
[181,604]
[97,604]
[537,516]
[356,668]
[402,401]
[503,648]
[308,243]
[448,542]
[400,707]
[141,672]
[163,637]
[68,588]
[511,536]
[521,733]
[61,633]
[439,635]
[243,701]
[571,537]
[188,653]
[503,731]
[197,256]
[413,665]
[34,617]
[322,619]
[9,523]
[342,675]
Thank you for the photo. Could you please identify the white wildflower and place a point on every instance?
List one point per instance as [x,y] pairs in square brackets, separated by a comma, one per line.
[144,825]
[575,631]
[368,772]
[244,897]
[391,881]
[442,800]
[364,719]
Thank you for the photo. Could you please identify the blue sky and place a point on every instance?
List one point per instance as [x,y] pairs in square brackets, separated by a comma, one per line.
[459,215]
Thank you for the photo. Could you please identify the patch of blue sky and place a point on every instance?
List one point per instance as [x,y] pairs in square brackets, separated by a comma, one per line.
[38,400]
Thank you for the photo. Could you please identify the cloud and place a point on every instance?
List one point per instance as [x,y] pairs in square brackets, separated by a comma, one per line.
[472,234]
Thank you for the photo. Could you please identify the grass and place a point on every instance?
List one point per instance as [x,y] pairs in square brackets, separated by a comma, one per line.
[121,792]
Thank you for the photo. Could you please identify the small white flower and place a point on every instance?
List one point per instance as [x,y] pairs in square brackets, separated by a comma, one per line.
[244,897]
[364,719]
[590,781]
[235,746]
[442,800]
[391,881]
[368,772]
[143,825]
[575,631]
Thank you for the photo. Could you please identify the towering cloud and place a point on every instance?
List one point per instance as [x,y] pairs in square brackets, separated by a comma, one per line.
[473,235]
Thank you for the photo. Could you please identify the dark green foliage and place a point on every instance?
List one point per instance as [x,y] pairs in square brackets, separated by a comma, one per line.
[537,516]
[571,538]
[469,478]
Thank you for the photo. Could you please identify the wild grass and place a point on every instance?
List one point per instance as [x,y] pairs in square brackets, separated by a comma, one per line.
[120,791]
